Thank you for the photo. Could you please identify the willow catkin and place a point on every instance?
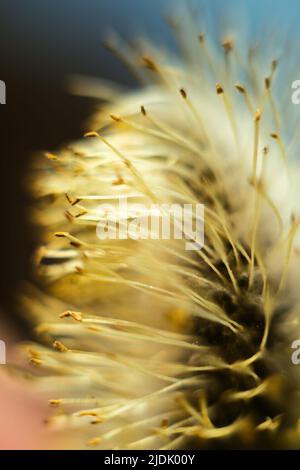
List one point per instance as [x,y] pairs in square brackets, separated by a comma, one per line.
[155,346]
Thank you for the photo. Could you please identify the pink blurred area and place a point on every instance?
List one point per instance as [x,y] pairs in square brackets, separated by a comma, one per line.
[22,410]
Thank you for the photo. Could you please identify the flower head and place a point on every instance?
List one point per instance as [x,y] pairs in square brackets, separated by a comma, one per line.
[155,346]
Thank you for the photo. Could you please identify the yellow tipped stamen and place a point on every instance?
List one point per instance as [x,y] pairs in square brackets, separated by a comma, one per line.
[165,131]
[243,91]
[197,116]
[278,139]
[257,118]
[268,83]
[165,134]
[229,110]
[128,164]
[207,54]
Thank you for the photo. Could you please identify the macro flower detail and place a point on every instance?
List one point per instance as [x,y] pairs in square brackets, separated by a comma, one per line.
[143,344]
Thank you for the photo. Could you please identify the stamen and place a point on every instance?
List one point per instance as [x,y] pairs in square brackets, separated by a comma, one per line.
[230,114]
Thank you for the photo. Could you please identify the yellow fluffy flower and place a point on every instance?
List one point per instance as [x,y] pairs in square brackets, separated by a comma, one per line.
[155,346]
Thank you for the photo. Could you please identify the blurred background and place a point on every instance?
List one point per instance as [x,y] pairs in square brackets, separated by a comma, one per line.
[42,43]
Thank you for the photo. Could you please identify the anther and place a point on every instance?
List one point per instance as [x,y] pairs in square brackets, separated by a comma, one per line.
[219,89]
